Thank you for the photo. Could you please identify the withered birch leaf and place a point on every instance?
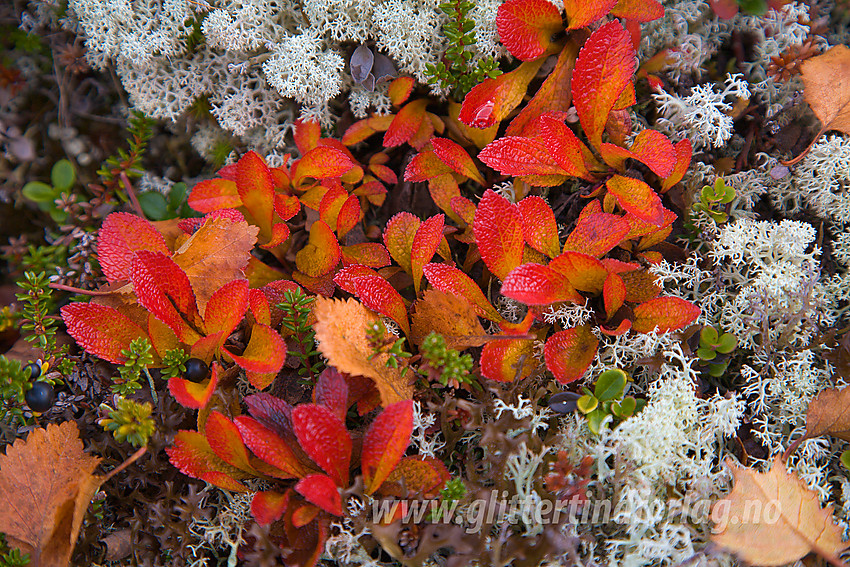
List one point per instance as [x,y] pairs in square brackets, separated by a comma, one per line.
[449,315]
[46,484]
[826,79]
[790,521]
[341,332]
[829,412]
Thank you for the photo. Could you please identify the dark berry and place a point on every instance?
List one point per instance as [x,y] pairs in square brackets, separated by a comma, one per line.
[40,397]
[196,370]
[34,370]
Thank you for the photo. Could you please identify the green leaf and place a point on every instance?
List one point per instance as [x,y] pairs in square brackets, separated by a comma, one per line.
[153,205]
[177,196]
[587,404]
[610,385]
[62,175]
[628,406]
[706,353]
[594,421]
[39,192]
[717,369]
[845,459]
[708,337]
[726,343]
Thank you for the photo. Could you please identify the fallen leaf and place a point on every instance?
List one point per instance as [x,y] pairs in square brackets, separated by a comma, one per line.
[826,82]
[45,488]
[773,518]
[828,413]
[341,332]
[449,315]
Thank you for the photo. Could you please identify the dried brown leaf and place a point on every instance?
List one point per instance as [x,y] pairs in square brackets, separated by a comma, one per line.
[341,332]
[829,412]
[773,518]
[826,79]
[46,484]
[450,316]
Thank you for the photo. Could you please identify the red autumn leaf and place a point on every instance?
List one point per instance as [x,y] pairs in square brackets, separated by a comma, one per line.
[268,506]
[319,489]
[286,206]
[398,238]
[345,277]
[638,198]
[498,233]
[265,353]
[513,155]
[226,442]
[321,254]
[349,216]
[493,100]
[120,237]
[280,232]
[597,233]
[406,123]
[664,314]
[306,134]
[226,307]
[194,395]
[570,352]
[101,330]
[613,294]
[640,286]
[192,455]
[553,95]
[424,166]
[425,243]
[585,273]
[580,13]
[377,294]
[255,185]
[526,27]
[655,150]
[385,442]
[324,438]
[400,89]
[449,279]
[270,447]
[684,151]
[604,68]
[638,10]
[331,204]
[331,391]
[163,288]
[303,516]
[538,225]
[456,158]
[534,284]
[214,194]
[506,360]
[369,254]
[564,147]
[321,162]
[273,412]
[423,477]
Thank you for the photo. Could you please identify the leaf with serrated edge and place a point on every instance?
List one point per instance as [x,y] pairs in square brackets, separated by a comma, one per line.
[423,476]
[270,447]
[214,194]
[449,315]
[564,147]
[664,314]
[597,233]
[493,100]
[684,151]
[514,155]
[322,162]
[585,273]
[398,237]
[583,12]
[790,522]
[498,233]
[506,360]
[226,442]
[570,352]
[385,442]
[451,280]
[638,198]
[380,296]
[425,243]
[526,27]
[424,166]
[456,158]
[826,82]
[538,225]
[120,237]
[331,391]
[604,67]
[324,438]
[255,185]
[534,284]
[101,330]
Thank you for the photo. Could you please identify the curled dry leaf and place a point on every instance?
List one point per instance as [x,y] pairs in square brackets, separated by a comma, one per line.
[46,484]
[789,524]
[341,332]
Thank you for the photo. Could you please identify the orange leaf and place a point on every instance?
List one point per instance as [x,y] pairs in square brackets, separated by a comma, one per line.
[270,447]
[399,236]
[451,280]
[684,151]
[369,254]
[226,442]
[789,522]
[321,162]
[512,155]
[604,68]
[120,237]
[194,395]
[526,27]
[826,87]
[498,233]
[321,254]
[493,100]
[349,216]
[638,198]
[569,353]
[538,225]
[377,294]
[226,308]
[265,353]
[564,147]
[534,284]
[477,137]
[101,330]
[306,134]
[613,294]
[424,166]
[255,185]
[506,360]
[425,243]
[268,506]
[597,233]
[45,488]
[585,273]
[192,455]
[638,10]
[580,13]
[341,334]
[163,289]
[456,158]
[449,315]
[400,89]
[214,194]
[385,442]
[640,286]
[423,476]
[406,123]
[664,314]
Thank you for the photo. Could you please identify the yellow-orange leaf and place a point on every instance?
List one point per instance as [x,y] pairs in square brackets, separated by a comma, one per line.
[826,79]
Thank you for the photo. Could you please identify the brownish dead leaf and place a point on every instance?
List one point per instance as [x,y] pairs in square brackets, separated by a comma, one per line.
[773,518]
[341,332]
[826,85]
[216,254]
[828,413]
[46,484]
[448,315]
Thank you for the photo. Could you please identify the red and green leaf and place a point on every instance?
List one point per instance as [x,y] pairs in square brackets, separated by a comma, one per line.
[570,352]
[385,442]
[324,438]
[664,314]
[526,27]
